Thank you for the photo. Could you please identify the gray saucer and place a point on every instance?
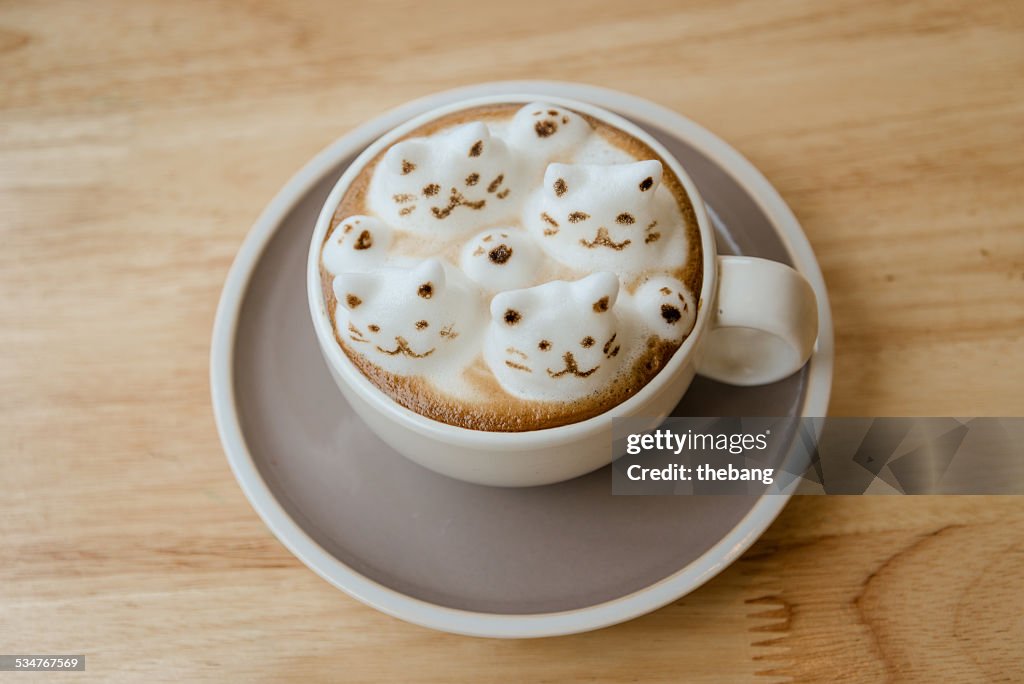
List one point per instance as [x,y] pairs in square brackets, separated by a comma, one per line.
[503,551]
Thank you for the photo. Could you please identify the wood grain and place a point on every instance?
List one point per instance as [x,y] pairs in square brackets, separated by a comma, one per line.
[138,142]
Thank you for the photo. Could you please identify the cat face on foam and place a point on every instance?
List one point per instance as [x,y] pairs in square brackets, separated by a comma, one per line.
[543,132]
[666,307]
[603,215]
[358,243]
[557,341]
[501,259]
[406,320]
[449,182]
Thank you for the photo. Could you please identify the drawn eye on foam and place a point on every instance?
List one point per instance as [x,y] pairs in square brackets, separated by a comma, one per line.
[452,181]
[557,341]
[408,321]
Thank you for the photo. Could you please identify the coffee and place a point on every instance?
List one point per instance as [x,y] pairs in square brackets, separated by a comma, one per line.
[512,268]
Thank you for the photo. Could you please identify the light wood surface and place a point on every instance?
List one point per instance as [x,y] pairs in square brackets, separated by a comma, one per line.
[138,142]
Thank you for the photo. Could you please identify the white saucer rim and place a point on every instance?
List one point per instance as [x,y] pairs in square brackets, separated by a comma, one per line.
[426,614]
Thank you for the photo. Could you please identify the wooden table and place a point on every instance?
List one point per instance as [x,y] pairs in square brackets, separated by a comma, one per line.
[139,141]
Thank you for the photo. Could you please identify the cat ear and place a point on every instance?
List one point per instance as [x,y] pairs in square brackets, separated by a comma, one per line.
[429,277]
[561,179]
[509,307]
[644,176]
[405,157]
[473,138]
[600,290]
[354,289]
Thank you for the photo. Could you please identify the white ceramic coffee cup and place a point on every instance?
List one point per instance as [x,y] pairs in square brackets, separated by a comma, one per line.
[756,323]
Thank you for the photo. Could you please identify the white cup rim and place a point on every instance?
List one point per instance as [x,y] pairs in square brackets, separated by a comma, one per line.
[511,441]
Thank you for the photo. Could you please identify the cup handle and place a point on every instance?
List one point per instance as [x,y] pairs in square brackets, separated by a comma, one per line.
[764,324]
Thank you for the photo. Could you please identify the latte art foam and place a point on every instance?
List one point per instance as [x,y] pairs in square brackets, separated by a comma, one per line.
[513,268]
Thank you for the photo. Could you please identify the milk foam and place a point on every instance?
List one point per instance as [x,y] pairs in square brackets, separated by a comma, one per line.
[502,259]
[410,321]
[614,217]
[557,341]
[359,243]
[448,184]
[501,207]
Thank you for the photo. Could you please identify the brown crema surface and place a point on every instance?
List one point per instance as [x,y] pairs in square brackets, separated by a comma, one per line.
[499,411]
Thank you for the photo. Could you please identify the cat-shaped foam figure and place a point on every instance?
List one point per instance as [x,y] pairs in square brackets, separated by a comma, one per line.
[502,259]
[665,306]
[543,133]
[446,184]
[604,216]
[558,341]
[409,321]
[359,243]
